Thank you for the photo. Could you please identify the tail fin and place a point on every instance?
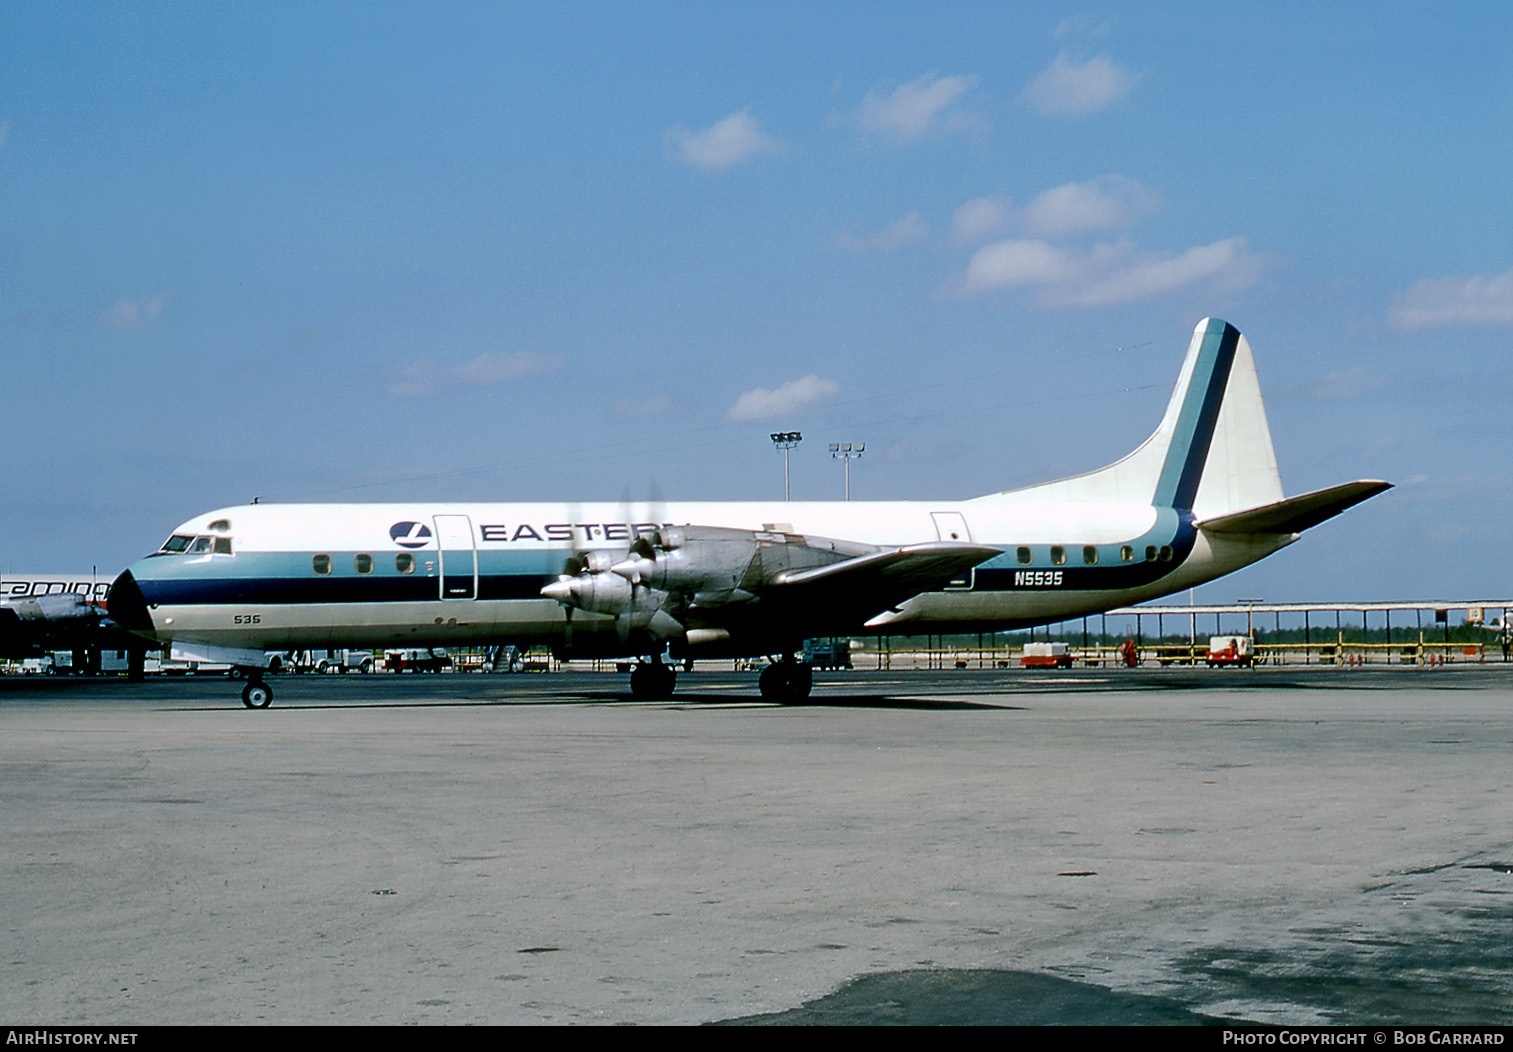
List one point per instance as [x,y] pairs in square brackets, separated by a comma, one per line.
[1212,452]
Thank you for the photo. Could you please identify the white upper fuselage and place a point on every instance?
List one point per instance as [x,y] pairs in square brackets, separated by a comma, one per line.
[272,576]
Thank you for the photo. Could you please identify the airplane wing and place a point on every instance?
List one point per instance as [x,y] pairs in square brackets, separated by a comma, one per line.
[716,578]
[1296,514]
[882,579]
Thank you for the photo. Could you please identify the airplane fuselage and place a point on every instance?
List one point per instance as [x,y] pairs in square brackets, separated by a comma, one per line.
[456,574]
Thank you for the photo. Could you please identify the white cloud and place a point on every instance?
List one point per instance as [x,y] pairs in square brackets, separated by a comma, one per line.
[127,313]
[425,377]
[916,109]
[1015,263]
[1132,277]
[763,404]
[910,230]
[981,217]
[1076,90]
[1108,273]
[726,142]
[1109,202]
[1438,302]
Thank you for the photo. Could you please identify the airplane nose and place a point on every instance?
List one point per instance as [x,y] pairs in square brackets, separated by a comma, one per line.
[128,606]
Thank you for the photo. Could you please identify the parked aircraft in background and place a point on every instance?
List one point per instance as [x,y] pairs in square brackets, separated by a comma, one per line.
[57,611]
[1199,499]
[1503,626]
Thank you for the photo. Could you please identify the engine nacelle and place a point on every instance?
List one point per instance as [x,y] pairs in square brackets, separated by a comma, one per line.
[604,593]
[66,606]
[684,578]
[691,560]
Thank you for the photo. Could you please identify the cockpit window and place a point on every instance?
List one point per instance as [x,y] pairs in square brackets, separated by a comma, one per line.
[182,544]
[220,526]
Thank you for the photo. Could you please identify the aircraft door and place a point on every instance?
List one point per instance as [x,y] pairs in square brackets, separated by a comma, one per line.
[952,526]
[459,557]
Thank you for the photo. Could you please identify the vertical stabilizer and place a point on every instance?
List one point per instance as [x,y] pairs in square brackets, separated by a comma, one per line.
[1240,470]
[1211,453]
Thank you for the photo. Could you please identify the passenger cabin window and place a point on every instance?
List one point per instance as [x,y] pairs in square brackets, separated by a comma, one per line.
[1127,554]
[1058,555]
[1165,554]
[321,564]
[1024,556]
[362,563]
[404,562]
[1150,553]
[1090,555]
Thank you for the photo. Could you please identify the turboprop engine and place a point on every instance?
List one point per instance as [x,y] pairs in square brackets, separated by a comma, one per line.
[675,584]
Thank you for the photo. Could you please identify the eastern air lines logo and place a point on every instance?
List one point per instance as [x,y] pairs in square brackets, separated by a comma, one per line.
[410,534]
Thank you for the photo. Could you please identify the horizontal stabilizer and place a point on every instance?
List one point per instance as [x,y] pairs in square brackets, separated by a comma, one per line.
[1296,514]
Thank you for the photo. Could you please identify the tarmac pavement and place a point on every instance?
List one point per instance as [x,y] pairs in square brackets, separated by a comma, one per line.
[1279,846]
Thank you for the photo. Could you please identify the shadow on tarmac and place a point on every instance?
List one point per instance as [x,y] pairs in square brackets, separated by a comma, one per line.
[973,997]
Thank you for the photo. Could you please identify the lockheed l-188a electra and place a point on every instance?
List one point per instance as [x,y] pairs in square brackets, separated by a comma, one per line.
[1199,499]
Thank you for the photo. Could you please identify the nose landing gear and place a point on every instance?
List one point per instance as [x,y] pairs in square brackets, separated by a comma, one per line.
[256,694]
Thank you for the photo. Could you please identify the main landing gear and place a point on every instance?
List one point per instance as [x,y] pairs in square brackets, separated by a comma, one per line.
[787,682]
[652,681]
[256,694]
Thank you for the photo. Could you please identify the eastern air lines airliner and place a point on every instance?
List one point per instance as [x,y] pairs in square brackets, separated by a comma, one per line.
[1199,499]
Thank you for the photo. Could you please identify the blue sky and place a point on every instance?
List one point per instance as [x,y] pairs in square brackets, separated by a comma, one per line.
[578,251]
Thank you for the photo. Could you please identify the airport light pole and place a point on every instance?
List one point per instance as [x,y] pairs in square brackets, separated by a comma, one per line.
[785,441]
[845,451]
